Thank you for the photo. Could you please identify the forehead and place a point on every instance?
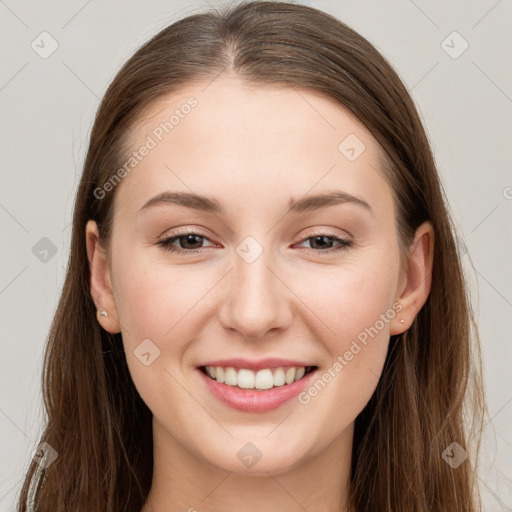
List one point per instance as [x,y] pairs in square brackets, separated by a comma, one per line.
[229,139]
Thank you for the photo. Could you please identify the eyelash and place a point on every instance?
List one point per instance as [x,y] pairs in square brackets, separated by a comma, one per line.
[166,243]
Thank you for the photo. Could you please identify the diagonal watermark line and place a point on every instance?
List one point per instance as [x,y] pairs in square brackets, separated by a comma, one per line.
[76,14]
[424,14]
[14,423]
[301,300]
[498,499]
[314,108]
[215,78]
[2,1]
[14,76]
[374,374]
[494,288]
[115,317]
[286,491]
[66,226]
[503,439]
[199,403]
[496,414]
[494,209]
[12,280]
[492,81]
[80,79]
[280,423]
[13,218]
[9,491]
[424,76]
[218,485]
[198,301]
[485,15]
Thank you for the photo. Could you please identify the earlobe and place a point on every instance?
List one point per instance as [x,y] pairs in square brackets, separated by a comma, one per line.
[100,281]
[418,278]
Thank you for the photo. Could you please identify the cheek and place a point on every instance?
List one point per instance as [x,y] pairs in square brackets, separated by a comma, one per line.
[153,298]
[152,302]
[350,298]
[156,300]
[355,308]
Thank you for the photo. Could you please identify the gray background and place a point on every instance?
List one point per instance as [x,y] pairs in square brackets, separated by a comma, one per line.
[47,109]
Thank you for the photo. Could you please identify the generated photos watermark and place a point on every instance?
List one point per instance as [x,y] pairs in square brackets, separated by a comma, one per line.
[156,136]
[343,359]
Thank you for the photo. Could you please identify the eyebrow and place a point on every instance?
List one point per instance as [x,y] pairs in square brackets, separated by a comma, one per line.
[211,205]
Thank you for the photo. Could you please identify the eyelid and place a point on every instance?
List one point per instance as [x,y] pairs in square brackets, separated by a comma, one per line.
[342,241]
[192,229]
[185,231]
[197,231]
[325,231]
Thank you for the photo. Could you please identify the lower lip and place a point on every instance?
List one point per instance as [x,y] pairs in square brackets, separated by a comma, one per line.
[250,400]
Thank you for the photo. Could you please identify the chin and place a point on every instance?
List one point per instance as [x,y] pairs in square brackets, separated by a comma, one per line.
[247,459]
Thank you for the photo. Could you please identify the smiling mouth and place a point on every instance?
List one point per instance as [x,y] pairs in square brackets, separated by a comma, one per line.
[268,378]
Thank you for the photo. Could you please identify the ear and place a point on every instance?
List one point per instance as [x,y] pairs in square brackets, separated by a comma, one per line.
[416,280]
[101,283]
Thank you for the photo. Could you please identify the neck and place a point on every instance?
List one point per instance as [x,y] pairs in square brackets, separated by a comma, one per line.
[186,482]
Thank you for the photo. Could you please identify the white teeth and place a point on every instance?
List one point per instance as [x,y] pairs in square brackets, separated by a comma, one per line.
[230,377]
[245,379]
[300,373]
[279,377]
[290,375]
[263,379]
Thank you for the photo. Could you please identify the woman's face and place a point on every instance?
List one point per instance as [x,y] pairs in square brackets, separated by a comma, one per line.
[264,282]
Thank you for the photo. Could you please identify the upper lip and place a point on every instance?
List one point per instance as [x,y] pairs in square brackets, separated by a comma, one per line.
[269,362]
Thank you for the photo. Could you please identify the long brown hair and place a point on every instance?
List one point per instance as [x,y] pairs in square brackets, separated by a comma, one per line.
[96,421]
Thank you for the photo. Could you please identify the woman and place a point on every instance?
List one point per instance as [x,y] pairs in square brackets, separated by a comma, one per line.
[263,369]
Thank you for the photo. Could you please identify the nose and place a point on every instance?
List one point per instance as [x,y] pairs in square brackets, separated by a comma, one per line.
[257,300]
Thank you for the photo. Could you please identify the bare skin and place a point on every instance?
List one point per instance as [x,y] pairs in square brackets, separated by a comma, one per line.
[253,149]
